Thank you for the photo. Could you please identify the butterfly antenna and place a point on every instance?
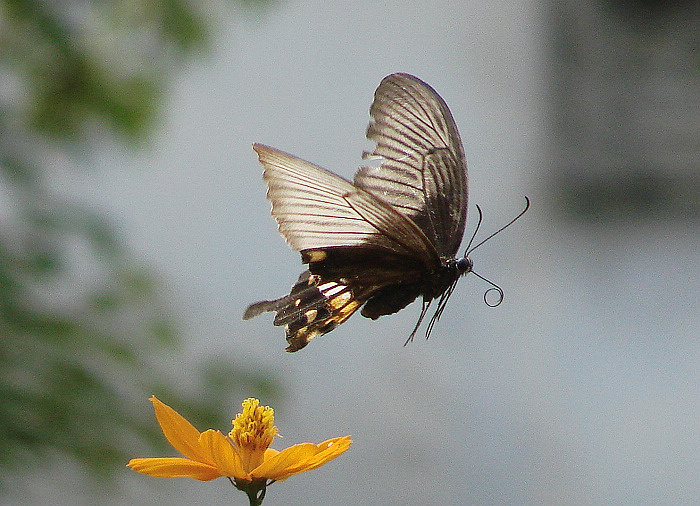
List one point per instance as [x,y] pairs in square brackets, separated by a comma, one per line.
[424,310]
[527,206]
[494,287]
[478,225]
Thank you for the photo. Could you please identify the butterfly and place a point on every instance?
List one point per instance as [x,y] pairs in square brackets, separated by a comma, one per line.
[387,237]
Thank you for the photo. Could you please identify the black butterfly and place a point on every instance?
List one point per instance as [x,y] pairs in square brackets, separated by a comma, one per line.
[387,237]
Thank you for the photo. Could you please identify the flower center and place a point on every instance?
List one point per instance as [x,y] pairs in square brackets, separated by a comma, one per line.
[253,432]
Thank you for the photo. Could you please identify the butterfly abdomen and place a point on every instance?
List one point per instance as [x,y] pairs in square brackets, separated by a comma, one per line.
[390,299]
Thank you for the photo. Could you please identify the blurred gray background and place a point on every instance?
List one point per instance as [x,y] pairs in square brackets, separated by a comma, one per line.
[581,388]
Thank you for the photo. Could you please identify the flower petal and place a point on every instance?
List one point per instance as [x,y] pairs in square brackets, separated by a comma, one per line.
[179,432]
[222,453]
[174,467]
[308,457]
[285,459]
[328,450]
[270,452]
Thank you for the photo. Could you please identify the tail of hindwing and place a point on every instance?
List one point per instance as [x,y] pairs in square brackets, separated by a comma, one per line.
[313,307]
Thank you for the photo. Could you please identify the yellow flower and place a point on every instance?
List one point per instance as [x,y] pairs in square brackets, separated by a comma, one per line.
[244,456]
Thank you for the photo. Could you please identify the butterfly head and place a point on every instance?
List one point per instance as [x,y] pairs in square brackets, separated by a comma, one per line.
[464,265]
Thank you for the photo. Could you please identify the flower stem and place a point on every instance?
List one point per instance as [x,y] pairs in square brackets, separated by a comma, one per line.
[254,498]
[254,490]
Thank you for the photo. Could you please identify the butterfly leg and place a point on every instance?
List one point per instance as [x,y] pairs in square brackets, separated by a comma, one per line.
[424,309]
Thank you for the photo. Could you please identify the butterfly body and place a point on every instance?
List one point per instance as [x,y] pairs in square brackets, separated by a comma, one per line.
[384,239]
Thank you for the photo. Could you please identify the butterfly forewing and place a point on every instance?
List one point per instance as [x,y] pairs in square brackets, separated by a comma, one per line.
[423,173]
[315,209]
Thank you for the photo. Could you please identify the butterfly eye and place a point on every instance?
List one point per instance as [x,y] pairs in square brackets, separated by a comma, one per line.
[464,265]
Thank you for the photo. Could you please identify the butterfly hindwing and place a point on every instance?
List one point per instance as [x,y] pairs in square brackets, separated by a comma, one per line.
[334,288]
[315,307]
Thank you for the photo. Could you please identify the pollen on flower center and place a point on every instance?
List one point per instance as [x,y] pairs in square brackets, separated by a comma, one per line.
[254,428]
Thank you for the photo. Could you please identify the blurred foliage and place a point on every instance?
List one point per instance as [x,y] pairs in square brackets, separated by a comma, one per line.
[85,336]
